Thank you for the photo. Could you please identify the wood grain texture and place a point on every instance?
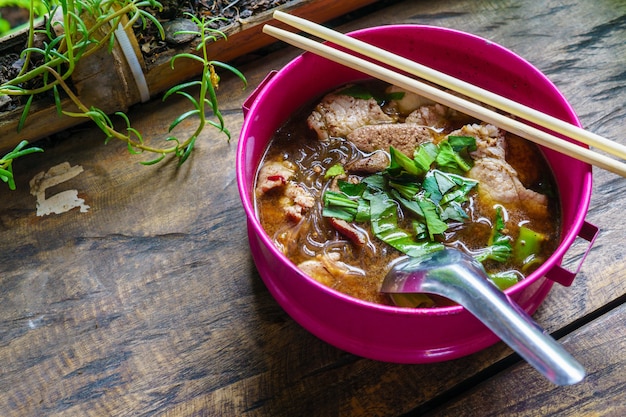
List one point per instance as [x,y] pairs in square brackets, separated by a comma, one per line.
[601,347]
[149,303]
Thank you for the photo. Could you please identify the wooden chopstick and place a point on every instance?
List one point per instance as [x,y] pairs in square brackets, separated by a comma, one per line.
[447,81]
[435,94]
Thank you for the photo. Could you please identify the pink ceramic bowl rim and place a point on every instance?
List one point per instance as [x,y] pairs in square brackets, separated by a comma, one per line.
[246,190]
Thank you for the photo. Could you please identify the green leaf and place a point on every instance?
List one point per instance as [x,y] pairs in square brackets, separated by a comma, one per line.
[5,174]
[351,189]
[449,159]
[132,150]
[20,124]
[356,91]
[232,69]
[154,161]
[153,19]
[377,182]
[187,55]
[434,224]
[182,117]
[460,143]
[179,87]
[398,95]
[410,205]
[500,248]
[187,151]
[425,155]
[401,164]
[406,189]
[57,101]
[384,221]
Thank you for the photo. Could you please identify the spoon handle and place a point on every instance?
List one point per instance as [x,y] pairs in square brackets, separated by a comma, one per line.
[469,287]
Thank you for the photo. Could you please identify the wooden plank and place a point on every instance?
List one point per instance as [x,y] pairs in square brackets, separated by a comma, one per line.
[600,346]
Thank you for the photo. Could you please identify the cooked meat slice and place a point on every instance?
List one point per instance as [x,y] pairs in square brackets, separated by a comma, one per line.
[375,162]
[316,270]
[337,115]
[499,183]
[356,235]
[409,100]
[273,174]
[296,201]
[490,140]
[321,268]
[404,137]
[299,195]
[434,115]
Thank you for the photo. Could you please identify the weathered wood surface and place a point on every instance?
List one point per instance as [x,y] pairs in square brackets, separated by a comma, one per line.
[149,303]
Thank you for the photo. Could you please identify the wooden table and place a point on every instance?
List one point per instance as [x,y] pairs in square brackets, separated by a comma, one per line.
[148,303]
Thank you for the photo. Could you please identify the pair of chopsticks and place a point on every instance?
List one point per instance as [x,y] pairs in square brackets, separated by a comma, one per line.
[510,125]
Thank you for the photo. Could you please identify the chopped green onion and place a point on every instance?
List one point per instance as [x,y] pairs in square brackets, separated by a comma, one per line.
[334,171]
[425,155]
[499,248]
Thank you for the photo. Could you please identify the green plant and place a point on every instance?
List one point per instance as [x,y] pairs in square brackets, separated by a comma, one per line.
[70,39]
[6,162]
[38,8]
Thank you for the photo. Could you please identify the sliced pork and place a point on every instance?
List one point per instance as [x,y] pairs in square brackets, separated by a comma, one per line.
[403,137]
[337,115]
[375,162]
[273,174]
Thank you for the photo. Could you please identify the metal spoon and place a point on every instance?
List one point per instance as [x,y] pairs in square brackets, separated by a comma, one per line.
[457,276]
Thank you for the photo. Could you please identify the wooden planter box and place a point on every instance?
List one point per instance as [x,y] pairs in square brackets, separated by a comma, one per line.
[119,91]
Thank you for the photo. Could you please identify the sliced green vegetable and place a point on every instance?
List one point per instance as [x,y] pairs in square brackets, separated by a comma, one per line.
[528,246]
[425,155]
[428,196]
[434,224]
[504,279]
[450,160]
[356,91]
[462,143]
[406,189]
[339,205]
[351,189]
[384,220]
[500,248]
[401,165]
[334,171]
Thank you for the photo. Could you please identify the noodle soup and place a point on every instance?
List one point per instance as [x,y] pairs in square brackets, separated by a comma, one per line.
[370,173]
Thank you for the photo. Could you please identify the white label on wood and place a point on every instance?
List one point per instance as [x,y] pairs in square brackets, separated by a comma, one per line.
[63,201]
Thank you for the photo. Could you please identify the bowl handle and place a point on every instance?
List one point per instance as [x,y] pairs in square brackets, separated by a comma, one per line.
[589,232]
[248,102]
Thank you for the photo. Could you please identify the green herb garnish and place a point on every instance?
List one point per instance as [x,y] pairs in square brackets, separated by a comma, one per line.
[430,197]
[334,171]
[500,248]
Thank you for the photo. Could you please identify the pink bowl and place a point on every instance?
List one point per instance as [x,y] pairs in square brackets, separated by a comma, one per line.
[390,333]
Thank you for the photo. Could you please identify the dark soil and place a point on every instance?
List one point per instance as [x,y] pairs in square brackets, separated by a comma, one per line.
[223,12]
